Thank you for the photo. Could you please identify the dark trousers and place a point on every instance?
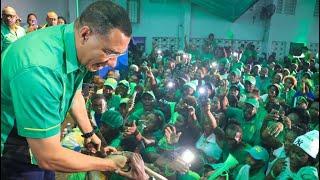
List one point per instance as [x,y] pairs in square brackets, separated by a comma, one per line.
[16,170]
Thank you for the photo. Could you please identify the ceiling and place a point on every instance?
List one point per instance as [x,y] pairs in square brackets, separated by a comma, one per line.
[226,9]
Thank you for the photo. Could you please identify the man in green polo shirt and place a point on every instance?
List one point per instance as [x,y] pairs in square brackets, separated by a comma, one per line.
[250,120]
[10,31]
[41,81]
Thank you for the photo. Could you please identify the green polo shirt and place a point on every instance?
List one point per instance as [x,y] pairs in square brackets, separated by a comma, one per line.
[250,129]
[40,75]
[8,36]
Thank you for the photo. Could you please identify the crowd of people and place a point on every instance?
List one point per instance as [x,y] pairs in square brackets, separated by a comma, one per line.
[214,102]
[11,29]
[209,113]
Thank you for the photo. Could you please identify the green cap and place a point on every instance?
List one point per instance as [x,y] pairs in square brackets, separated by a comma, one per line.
[111,82]
[237,72]
[150,93]
[253,102]
[191,85]
[125,83]
[112,118]
[251,79]
[258,153]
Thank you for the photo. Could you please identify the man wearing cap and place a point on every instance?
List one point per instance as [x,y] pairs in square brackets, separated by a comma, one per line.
[299,163]
[235,79]
[113,100]
[123,89]
[249,118]
[10,31]
[255,166]
[41,78]
[249,85]
[263,81]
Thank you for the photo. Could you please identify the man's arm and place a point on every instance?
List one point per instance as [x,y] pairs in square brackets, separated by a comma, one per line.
[52,156]
[79,113]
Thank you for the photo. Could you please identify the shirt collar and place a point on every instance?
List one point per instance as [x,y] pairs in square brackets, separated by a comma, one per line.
[72,63]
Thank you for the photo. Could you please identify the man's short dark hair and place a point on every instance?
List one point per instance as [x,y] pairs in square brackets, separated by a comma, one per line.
[104,15]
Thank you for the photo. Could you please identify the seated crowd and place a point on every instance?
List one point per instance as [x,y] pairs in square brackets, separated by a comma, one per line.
[241,116]
[212,113]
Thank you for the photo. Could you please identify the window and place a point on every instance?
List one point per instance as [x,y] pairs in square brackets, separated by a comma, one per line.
[133,7]
[286,7]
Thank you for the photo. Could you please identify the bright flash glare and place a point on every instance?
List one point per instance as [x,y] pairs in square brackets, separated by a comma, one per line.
[170,84]
[187,156]
[159,51]
[202,90]
[214,64]
[235,54]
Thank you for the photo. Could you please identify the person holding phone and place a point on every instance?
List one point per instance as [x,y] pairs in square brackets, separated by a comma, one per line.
[32,23]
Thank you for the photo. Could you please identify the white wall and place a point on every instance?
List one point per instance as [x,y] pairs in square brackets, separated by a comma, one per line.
[179,17]
[40,7]
[203,23]
[302,27]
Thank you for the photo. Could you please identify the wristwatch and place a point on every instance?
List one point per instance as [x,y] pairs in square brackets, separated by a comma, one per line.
[89,134]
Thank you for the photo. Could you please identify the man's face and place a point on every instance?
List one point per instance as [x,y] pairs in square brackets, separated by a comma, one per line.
[276,79]
[148,102]
[234,91]
[122,90]
[99,106]
[107,91]
[288,83]
[233,138]
[272,92]
[9,16]
[264,72]
[249,111]
[52,19]
[97,51]
[248,86]
[234,78]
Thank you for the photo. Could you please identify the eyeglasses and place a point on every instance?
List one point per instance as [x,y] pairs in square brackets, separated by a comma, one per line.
[112,54]
[8,15]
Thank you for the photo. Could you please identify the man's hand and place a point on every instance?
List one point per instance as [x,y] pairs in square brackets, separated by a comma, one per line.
[287,122]
[275,129]
[119,160]
[171,135]
[109,149]
[192,113]
[94,139]
[137,167]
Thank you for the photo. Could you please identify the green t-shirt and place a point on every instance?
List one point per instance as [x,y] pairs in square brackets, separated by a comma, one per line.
[8,37]
[40,75]
[250,129]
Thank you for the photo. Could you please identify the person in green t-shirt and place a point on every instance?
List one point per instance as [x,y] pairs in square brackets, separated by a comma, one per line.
[41,81]
[10,31]
[112,99]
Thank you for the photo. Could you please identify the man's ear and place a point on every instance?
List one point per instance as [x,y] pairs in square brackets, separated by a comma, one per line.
[84,34]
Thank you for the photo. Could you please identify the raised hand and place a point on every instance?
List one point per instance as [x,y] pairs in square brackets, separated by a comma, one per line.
[171,135]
